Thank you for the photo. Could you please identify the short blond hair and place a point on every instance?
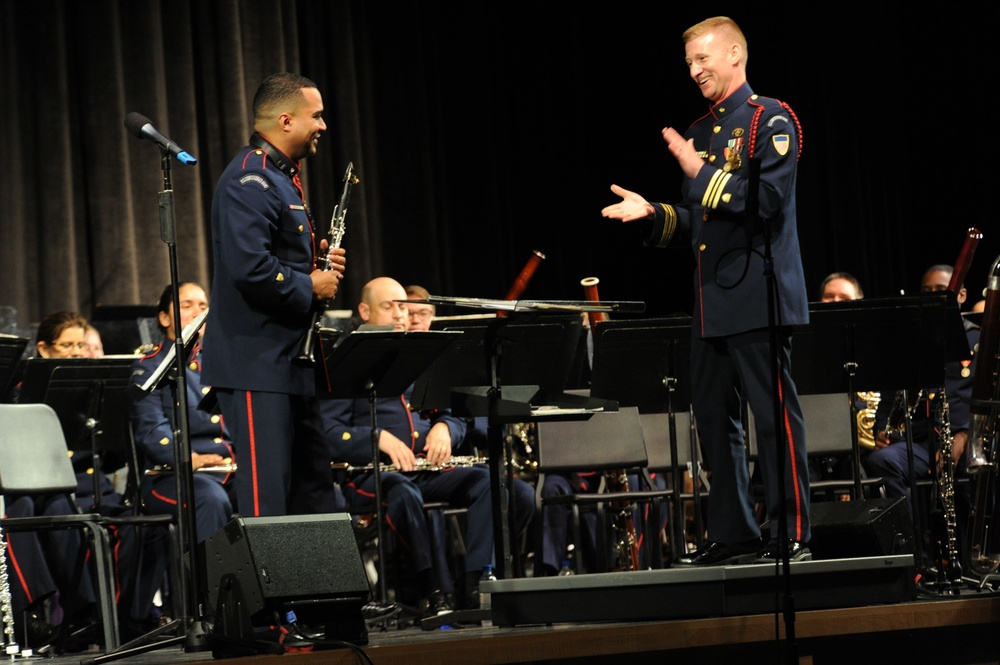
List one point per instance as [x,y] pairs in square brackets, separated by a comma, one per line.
[720,24]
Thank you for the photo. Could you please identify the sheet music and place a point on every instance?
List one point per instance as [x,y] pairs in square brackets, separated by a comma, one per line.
[188,334]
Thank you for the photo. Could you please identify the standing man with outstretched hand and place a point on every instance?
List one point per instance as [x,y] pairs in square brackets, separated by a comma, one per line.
[731,351]
[265,288]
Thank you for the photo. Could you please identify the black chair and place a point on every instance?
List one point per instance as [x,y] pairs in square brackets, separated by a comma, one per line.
[656,432]
[828,434]
[34,460]
[608,441]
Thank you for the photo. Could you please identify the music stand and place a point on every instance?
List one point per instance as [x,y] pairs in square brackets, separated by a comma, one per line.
[369,363]
[879,344]
[88,394]
[11,350]
[500,368]
[645,363]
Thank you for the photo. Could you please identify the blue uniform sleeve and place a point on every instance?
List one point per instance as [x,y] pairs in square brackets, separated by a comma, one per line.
[267,242]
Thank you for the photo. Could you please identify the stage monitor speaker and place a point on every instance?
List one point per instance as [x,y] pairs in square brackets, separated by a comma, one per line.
[850,529]
[309,564]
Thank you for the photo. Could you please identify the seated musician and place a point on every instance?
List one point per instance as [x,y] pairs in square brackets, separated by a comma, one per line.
[64,335]
[889,459]
[153,425]
[404,438]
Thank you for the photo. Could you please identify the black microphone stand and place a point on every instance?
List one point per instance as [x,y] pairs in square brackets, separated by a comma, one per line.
[754,222]
[192,630]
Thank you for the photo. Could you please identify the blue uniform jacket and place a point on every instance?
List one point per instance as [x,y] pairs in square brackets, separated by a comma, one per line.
[153,416]
[712,212]
[262,297]
[348,426]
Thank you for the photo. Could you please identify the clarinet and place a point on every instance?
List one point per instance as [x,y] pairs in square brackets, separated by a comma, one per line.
[953,566]
[306,353]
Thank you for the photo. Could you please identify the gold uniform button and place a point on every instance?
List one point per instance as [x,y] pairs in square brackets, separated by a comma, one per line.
[90,471]
[217,439]
[702,247]
[301,228]
[716,129]
[416,435]
[215,419]
[280,277]
[193,365]
[753,96]
[206,389]
[165,441]
[346,436]
[711,159]
[722,110]
[726,198]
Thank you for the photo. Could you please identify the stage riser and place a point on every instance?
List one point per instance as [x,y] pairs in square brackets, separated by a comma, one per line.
[651,595]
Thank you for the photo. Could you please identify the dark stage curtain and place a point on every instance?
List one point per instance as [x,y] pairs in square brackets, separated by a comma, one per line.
[480,132]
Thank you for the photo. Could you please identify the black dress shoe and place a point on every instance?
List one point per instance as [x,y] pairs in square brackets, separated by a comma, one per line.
[772,552]
[720,554]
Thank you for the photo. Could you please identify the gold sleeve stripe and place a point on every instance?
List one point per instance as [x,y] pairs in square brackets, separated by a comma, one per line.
[715,188]
[669,225]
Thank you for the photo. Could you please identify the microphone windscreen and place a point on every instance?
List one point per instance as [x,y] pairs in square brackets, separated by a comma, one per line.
[134,122]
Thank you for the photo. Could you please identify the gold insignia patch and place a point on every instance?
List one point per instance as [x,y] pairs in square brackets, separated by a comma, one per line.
[301,228]
[781,143]
[279,278]
[738,132]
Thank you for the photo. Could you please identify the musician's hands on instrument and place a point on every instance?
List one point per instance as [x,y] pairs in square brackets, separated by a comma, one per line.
[630,208]
[683,151]
[200,460]
[437,447]
[399,453]
[958,442]
[882,440]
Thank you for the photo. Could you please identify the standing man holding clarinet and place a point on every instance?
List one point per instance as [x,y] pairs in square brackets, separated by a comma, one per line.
[271,273]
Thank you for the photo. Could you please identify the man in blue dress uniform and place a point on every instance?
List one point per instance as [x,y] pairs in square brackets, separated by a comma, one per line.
[731,348]
[265,287]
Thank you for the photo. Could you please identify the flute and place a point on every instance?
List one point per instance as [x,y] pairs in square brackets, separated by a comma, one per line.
[421,464]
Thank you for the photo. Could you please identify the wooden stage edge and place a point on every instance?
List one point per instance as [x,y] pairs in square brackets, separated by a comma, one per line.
[939,630]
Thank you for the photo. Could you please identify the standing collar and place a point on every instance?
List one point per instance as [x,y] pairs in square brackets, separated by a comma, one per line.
[282,161]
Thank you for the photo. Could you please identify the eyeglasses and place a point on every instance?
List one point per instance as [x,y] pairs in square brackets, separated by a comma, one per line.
[423,314]
[67,346]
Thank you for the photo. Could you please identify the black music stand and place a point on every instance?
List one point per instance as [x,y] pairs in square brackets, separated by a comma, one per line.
[879,344]
[369,363]
[88,395]
[646,363]
[11,350]
[498,369]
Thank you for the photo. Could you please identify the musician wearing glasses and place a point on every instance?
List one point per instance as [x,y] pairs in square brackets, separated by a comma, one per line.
[731,340]
[406,438]
[153,426]
[266,286]
[64,335]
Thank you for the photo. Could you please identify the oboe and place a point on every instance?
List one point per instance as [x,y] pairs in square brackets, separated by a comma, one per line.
[337,227]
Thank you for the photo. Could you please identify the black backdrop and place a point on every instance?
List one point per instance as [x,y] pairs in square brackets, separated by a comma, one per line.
[480,131]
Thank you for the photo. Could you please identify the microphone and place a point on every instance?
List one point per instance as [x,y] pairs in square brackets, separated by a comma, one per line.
[140,126]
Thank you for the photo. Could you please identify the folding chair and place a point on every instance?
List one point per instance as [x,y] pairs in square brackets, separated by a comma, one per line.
[656,432]
[608,441]
[34,460]
[828,432]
